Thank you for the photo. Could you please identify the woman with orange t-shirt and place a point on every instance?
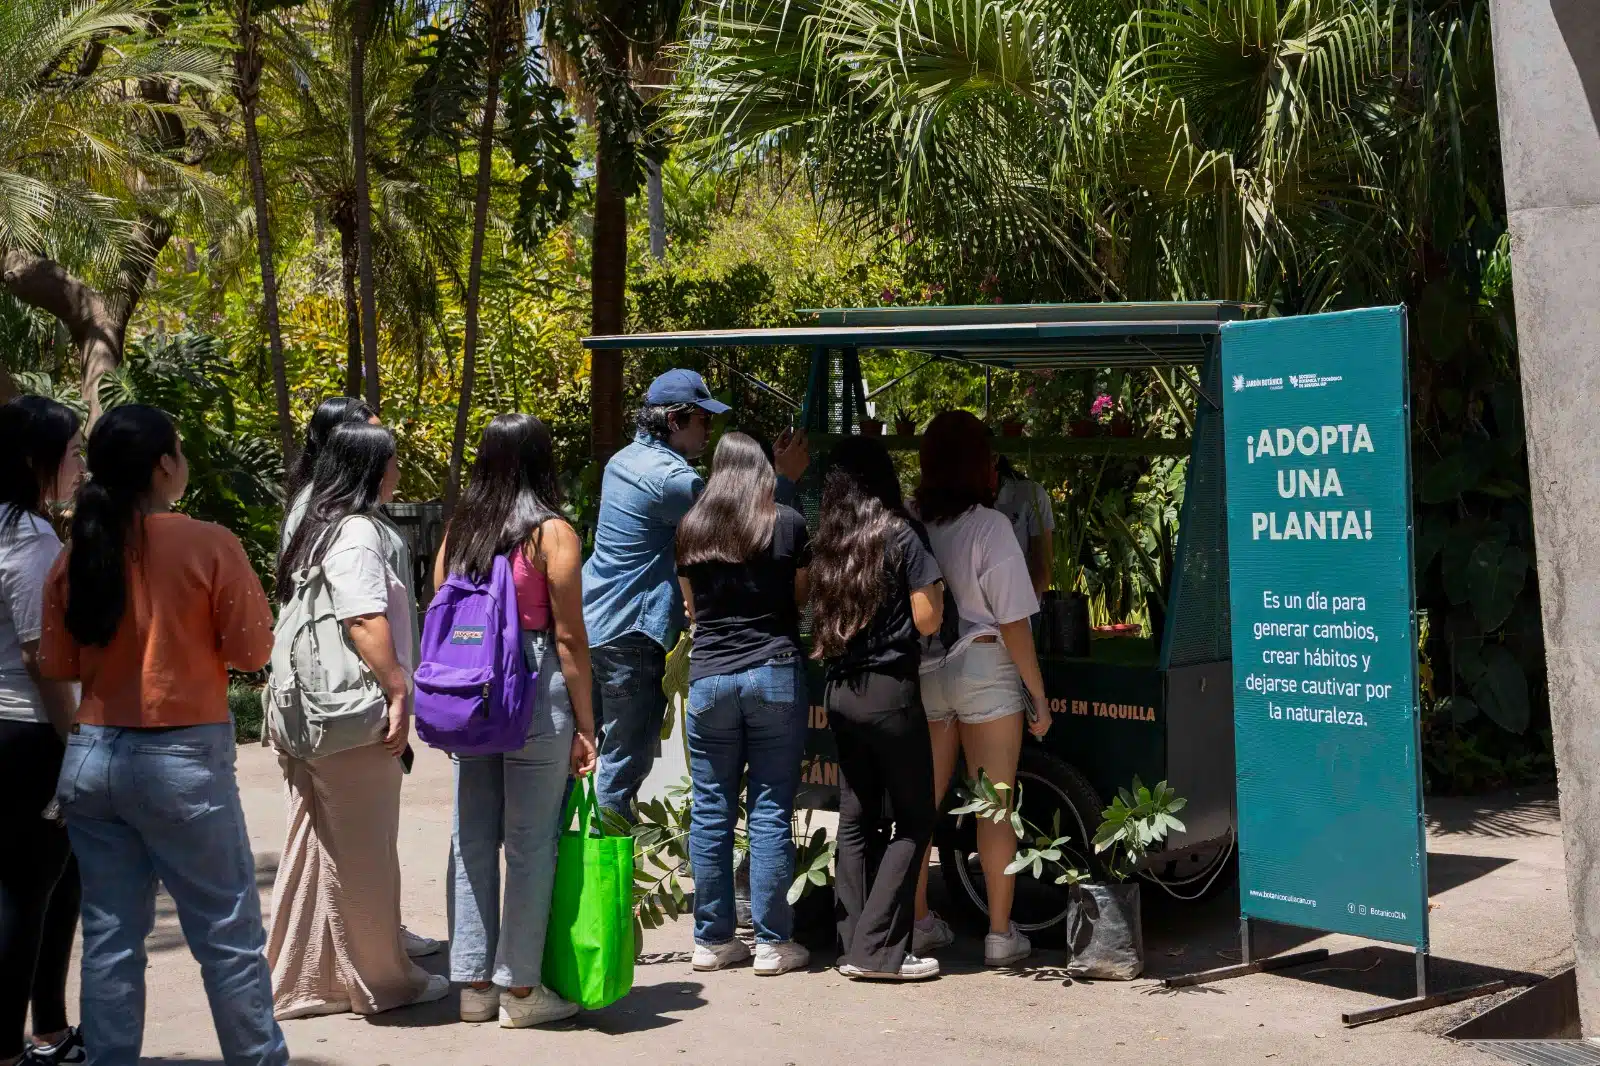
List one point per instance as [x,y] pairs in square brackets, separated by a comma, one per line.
[148,609]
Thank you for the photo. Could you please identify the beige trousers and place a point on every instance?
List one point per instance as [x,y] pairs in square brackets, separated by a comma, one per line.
[335,935]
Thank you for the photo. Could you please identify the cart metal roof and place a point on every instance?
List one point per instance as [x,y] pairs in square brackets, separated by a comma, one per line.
[1011,336]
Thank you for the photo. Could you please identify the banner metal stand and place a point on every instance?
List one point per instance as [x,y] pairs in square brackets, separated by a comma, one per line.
[1249,964]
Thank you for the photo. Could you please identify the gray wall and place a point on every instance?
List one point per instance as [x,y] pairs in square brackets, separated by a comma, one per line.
[1547,67]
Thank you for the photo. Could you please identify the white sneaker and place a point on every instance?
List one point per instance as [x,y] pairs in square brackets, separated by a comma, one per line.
[785,955]
[437,987]
[536,1008]
[925,942]
[720,956]
[1005,949]
[417,945]
[480,1004]
[911,969]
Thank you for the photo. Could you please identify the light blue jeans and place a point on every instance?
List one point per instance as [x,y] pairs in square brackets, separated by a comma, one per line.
[143,804]
[753,719]
[514,799]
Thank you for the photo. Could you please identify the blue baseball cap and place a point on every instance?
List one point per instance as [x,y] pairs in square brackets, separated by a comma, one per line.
[681,386]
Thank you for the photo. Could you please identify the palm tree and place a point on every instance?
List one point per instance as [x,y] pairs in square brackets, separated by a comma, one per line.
[607,43]
[363,17]
[1070,147]
[91,175]
[416,239]
[247,77]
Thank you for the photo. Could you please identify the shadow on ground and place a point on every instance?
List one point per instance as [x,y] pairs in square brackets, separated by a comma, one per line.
[1523,813]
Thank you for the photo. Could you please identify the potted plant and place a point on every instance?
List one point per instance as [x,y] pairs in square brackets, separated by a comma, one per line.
[871,427]
[1012,427]
[1064,612]
[904,424]
[1105,933]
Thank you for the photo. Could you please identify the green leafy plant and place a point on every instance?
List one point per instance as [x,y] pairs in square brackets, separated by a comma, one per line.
[661,863]
[1135,823]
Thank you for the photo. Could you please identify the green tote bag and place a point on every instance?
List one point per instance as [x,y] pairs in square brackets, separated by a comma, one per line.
[588,952]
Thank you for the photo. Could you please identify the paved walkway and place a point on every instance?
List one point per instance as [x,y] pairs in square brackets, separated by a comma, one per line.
[1499,906]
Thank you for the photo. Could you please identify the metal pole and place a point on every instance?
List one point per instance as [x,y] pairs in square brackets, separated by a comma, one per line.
[1422,973]
[988,383]
[1244,941]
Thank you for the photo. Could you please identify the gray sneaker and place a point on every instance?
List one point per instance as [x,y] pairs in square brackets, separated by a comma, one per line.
[925,942]
[720,956]
[1007,948]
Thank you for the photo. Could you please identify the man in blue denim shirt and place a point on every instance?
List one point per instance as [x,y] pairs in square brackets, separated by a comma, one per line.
[632,605]
[631,602]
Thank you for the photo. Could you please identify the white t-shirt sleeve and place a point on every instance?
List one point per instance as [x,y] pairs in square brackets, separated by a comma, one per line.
[357,570]
[23,567]
[1002,570]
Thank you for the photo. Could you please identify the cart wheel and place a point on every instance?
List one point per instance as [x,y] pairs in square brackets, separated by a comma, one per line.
[1049,786]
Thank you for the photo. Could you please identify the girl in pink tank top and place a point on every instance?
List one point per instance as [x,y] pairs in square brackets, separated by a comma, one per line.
[533,592]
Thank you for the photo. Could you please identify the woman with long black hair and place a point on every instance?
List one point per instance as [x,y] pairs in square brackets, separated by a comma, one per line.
[333,411]
[512,506]
[149,609]
[41,461]
[742,560]
[335,943]
[876,592]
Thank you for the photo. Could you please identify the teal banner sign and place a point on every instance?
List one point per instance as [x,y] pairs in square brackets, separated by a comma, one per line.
[1317,426]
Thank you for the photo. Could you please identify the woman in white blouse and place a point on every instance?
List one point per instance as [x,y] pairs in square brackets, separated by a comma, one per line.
[975,676]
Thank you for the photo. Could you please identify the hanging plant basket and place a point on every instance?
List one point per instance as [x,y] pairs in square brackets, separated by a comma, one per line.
[1011,428]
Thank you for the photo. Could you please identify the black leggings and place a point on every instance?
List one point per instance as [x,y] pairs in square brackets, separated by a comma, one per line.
[38,886]
[886,814]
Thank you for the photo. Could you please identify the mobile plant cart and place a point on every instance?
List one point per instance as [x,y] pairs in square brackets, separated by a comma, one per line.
[1159,708]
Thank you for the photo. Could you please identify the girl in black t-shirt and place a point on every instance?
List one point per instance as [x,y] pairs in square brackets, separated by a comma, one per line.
[878,590]
[742,560]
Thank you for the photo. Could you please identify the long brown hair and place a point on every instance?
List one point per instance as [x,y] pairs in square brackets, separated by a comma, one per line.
[733,518]
[853,549]
[512,493]
[957,467]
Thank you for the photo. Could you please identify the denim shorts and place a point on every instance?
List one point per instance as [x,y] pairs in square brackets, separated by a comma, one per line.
[979,683]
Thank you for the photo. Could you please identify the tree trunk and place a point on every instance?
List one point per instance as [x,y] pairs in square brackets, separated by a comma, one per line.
[658,212]
[248,69]
[97,322]
[358,149]
[344,221]
[480,222]
[609,280]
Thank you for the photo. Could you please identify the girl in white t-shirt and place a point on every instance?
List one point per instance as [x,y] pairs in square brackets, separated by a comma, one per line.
[335,944]
[973,688]
[41,461]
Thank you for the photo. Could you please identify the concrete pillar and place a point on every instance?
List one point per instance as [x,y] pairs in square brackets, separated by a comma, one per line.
[1547,69]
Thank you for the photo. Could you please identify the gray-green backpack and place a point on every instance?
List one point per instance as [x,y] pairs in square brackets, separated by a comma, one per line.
[323,698]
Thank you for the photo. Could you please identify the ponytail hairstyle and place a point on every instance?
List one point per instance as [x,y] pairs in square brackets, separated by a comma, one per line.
[513,491]
[347,480]
[124,449]
[334,411]
[853,551]
[34,436]
[734,517]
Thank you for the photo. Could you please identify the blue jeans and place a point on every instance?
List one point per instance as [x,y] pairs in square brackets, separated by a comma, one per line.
[512,799]
[628,710]
[754,719]
[143,804]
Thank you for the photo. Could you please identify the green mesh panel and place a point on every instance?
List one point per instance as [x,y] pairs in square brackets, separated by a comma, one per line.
[1197,619]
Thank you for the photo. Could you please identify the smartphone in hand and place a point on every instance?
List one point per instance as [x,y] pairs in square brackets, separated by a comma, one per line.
[407,757]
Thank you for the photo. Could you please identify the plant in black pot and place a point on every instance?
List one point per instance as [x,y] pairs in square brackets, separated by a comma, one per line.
[1105,933]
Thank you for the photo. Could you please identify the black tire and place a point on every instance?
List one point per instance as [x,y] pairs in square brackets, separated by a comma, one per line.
[1204,873]
[1049,784]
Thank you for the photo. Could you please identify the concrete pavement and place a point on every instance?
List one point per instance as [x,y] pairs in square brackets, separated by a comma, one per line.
[1499,908]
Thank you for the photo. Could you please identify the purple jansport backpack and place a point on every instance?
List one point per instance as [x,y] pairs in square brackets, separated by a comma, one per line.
[474,694]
